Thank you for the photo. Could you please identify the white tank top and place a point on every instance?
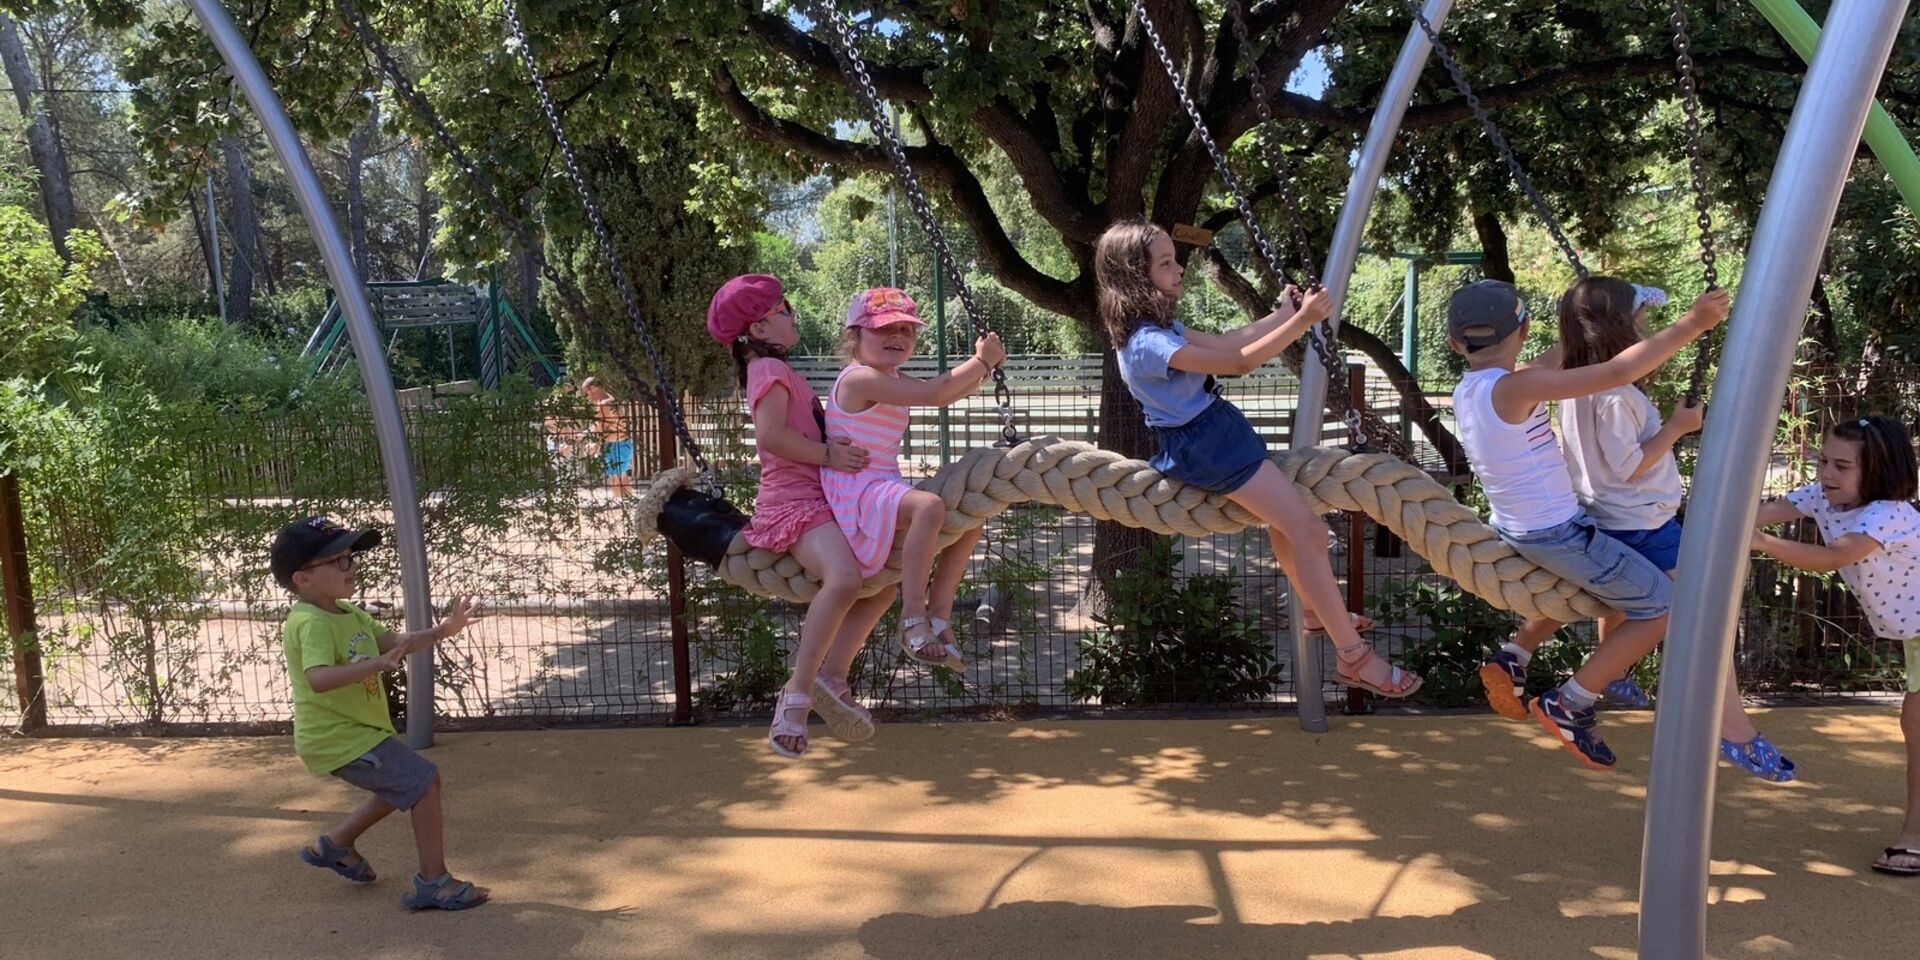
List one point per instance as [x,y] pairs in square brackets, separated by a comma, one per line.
[1519,465]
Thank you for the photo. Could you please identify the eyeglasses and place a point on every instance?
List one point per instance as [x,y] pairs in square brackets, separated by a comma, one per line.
[343,563]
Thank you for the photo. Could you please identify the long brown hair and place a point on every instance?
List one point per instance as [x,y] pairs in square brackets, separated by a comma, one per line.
[1596,321]
[748,348]
[1123,275]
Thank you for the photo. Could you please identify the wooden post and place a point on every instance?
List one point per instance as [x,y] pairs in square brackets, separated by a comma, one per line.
[676,580]
[1356,536]
[17,587]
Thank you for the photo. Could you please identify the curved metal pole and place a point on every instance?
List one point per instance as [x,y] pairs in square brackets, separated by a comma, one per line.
[1765,328]
[1341,257]
[352,297]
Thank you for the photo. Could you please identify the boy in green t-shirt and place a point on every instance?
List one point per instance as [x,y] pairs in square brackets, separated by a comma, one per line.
[335,655]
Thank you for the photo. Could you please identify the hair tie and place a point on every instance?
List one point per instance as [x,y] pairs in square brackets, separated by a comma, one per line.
[1862,421]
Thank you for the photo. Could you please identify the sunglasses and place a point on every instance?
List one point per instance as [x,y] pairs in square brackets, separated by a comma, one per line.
[343,563]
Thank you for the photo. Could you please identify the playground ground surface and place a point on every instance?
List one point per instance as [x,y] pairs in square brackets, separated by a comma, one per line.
[1402,837]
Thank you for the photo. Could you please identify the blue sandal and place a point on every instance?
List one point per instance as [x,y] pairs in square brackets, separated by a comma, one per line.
[1760,758]
[325,853]
[443,893]
[1628,693]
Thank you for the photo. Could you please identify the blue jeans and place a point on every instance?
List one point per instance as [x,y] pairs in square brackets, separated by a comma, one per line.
[1610,570]
[1660,545]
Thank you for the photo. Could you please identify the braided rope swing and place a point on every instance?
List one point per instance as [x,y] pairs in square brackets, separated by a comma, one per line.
[1107,486]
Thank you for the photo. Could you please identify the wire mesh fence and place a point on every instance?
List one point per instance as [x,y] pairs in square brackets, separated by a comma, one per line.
[149,571]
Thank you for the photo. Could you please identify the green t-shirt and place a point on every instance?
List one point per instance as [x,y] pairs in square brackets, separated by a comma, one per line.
[332,729]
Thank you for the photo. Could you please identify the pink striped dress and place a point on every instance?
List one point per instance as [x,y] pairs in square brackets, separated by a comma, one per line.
[867,504]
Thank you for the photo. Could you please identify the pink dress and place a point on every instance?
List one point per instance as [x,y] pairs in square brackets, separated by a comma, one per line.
[867,504]
[790,501]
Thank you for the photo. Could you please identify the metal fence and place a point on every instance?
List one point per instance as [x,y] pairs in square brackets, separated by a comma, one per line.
[155,607]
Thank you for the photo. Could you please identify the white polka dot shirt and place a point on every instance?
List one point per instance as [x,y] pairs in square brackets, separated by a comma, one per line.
[1887,581]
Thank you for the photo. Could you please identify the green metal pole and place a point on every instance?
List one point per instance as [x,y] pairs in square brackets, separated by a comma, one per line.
[1892,149]
[940,357]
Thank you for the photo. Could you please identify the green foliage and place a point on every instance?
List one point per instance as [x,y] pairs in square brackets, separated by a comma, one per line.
[192,359]
[1174,641]
[40,292]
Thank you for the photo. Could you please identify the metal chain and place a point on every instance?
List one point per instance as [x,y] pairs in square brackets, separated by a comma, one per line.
[605,240]
[1690,106]
[840,37]
[1282,175]
[1334,365]
[490,191]
[1499,142]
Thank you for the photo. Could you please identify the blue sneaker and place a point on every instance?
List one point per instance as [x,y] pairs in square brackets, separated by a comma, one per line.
[1506,683]
[1573,728]
[1760,758]
[1628,694]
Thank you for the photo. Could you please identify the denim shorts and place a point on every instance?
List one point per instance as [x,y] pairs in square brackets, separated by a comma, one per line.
[1217,451]
[392,772]
[1605,567]
[1660,545]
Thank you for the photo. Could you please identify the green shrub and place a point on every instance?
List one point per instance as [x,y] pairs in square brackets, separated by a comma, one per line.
[1174,641]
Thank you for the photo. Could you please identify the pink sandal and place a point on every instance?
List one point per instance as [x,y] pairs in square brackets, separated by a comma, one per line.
[845,717]
[1399,686]
[785,726]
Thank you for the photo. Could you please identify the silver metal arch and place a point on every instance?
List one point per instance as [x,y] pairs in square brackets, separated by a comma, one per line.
[1342,255]
[347,286]
[1808,176]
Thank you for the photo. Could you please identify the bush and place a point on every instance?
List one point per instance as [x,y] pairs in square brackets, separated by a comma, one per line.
[1178,641]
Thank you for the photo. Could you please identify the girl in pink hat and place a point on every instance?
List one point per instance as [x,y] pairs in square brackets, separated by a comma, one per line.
[751,316]
[868,405]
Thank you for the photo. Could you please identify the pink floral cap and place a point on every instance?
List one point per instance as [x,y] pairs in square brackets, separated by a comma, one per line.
[881,306]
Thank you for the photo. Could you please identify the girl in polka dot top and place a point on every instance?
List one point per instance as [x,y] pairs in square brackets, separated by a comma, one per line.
[1862,502]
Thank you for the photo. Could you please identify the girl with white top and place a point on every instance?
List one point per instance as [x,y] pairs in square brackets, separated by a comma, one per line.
[1862,501]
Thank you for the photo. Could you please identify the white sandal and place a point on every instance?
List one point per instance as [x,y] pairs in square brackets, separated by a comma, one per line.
[784,726]
[924,639]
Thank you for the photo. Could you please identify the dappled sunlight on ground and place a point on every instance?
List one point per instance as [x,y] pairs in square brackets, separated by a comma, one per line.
[1402,837]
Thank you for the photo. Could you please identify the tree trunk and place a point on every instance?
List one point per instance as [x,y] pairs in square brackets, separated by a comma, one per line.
[208,251]
[43,141]
[1495,261]
[357,145]
[424,205]
[1123,429]
[529,285]
[243,226]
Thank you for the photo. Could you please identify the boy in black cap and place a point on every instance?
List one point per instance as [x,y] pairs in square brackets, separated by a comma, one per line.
[1501,414]
[335,655]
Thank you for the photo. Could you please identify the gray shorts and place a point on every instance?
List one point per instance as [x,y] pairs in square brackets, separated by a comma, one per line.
[392,772]
[1607,568]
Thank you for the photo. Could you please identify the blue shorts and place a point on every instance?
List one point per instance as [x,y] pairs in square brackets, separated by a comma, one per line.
[1602,565]
[1660,545]
[392,772]
[1217,451]
[619,457]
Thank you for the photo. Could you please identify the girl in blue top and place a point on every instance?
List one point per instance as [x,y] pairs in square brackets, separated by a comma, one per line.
[1205,442]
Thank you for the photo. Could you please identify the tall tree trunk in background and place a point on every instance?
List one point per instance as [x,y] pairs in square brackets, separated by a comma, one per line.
[208,250]
[243,229]
[357,145]
[1495,261]
[43,141]
[1123,429]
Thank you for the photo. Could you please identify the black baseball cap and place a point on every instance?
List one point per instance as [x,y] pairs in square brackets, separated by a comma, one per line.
[1483,313]
[316,538]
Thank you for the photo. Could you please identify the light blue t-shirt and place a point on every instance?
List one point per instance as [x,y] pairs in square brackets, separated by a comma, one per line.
[1170,397]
